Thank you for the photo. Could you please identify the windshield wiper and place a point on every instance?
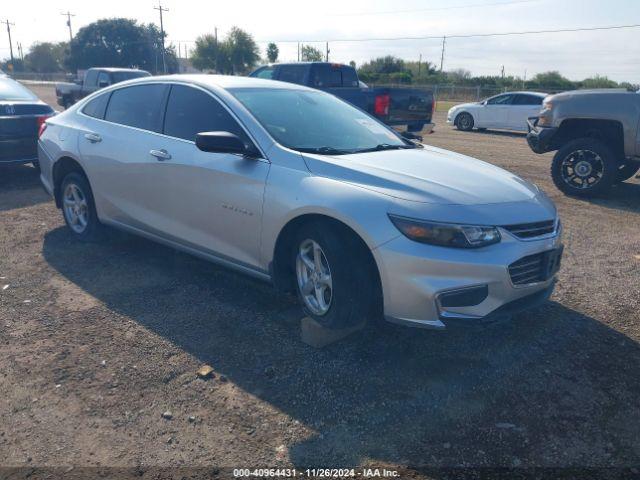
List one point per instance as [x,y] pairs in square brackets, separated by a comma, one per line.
[385,146]
[323,150]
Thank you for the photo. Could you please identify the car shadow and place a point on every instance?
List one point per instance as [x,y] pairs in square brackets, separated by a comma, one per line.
[542,389]
[501,133]
[20,187]
[623,196]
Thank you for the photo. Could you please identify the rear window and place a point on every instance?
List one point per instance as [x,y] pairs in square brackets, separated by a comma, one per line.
[12,90]
[326,76]
[117,77]
[139,106]
[96,107]
[292,73]
[266,72]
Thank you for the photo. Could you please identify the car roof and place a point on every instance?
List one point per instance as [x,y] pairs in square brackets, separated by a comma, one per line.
[220,81]
[525,92]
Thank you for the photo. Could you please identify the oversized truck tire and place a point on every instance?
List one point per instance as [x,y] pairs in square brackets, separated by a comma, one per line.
[584,167]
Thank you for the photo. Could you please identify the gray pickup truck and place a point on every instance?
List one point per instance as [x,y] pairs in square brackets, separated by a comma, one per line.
[597,137]
[94,79]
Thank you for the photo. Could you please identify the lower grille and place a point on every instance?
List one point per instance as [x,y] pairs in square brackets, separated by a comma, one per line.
[531,230]
[535,268]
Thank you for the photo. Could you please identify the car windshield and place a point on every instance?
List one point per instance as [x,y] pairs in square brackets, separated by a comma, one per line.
[12,90]
[317,122]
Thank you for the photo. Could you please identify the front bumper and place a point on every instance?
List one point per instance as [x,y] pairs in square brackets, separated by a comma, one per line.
[539,138]
[415,276]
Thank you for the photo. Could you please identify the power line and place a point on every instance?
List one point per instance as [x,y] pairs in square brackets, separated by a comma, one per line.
[433,9]
[69,15]
[162,9]
[9,24]
[429,37]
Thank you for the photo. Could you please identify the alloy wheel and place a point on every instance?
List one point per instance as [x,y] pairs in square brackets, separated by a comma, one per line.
[314,277]
[76,208]
[582,169]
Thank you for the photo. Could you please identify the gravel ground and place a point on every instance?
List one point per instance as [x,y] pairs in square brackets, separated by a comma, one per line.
[98,341]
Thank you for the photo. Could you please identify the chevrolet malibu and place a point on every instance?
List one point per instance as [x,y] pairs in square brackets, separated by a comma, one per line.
[297,187]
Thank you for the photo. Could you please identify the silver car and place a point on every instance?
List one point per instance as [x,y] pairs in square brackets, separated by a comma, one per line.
[295,186]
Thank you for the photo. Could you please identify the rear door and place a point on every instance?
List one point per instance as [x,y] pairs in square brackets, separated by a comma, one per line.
[120,129]
[523,107]
[495,112]
[211,201]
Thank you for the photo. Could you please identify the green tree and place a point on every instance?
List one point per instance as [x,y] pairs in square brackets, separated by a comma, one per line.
[309,53]
[45,57]
[598,81]
[119,42]
[208,54]
[242,50]
[272,52]
[551,80]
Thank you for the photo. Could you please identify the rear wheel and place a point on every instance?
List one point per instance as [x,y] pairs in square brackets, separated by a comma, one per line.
[627,171]
[78,207]
[584,167]
[464,122]
[333,281]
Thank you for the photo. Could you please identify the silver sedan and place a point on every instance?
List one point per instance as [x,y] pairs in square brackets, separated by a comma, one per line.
[295,186]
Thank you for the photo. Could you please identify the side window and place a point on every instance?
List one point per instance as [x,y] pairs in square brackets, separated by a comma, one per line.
[103,79]
[91,78]
[522,99]
[191,111]
[138,106]
[326,76]
[266,72]
[96,107]
[292,74]
[349,77]
[500,100]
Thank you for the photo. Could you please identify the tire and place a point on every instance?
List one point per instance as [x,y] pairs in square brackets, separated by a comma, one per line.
[78,207]
[584,167]
[627,171]
[464,122]
[349,294]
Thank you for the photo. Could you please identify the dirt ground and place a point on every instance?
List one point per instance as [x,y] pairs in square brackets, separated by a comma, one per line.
[97,341]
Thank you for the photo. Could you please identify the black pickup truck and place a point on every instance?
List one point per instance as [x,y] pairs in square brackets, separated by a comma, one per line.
[410,107]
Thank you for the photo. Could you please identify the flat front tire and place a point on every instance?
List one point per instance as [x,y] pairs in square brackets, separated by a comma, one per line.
[584,167]
[78,207]
[332,277]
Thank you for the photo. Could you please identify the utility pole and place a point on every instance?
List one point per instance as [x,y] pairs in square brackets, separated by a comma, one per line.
[502,72]
[328,51]
[298,51]
[9,24]
[20,51]
[69,15]
[444,41]
[419,64]
[161,9]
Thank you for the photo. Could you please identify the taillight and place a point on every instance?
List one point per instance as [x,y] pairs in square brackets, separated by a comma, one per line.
[381,106]
[42,125]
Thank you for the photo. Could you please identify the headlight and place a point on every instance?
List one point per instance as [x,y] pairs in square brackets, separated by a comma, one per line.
[446,234]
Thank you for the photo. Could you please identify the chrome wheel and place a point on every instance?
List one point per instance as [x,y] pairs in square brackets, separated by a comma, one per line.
[465,122]
[75,207]
[314,277]
[582,169]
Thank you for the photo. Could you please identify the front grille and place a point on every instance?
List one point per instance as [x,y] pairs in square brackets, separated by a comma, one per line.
[531,230]
[535,268]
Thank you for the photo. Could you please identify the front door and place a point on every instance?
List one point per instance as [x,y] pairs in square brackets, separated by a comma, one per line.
[211,201]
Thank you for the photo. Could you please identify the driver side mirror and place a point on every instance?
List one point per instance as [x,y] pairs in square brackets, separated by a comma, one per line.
[220,142]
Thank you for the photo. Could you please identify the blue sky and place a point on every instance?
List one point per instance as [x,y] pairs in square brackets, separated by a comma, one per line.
[614,53]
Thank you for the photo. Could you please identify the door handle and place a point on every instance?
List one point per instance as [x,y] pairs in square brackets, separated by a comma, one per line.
[160,155]
[93,137]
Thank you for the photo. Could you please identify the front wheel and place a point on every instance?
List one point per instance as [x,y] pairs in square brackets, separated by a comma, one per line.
[331,276]
[78,207]
[584,167]
[464,122]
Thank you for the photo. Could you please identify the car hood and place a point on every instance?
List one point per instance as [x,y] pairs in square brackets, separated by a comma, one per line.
[426,175]
[463,105]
